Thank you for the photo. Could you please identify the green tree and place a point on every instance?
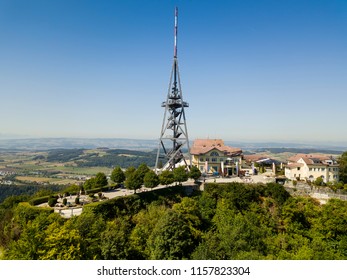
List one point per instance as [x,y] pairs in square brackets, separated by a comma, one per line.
[319,181]
[145,221]
[73,189]
[166,177]
[133,181]
[343,167]
[298,214]
[12,201]
[89,184]
[90,227]
[151,179]
[43,192]
[31,241]
[171,238]
[333,219]
[239,233]
[289,246]
[209,248]
[276,191]
[114,240]
[129,170]
[207,205]
[194,173]
[52,201]
[180,174]
[189,208]
[61,243]
[117,175]
[142,170]
[100,180]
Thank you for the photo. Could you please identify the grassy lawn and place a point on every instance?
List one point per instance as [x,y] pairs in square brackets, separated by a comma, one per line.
[32,167]
[88,171]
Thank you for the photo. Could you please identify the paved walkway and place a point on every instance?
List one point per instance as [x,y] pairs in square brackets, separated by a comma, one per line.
[75,211]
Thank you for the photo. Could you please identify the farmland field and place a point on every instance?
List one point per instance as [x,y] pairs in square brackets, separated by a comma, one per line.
[64,166]
[41,180]
[74,166]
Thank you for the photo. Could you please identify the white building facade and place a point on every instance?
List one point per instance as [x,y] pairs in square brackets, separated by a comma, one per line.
[309,167]
[212,156]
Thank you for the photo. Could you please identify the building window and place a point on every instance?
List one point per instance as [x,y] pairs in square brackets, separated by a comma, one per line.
[323,169]
[207,159]
[298,168]
[310,168]
[214,159]
[214,154]
[201,159]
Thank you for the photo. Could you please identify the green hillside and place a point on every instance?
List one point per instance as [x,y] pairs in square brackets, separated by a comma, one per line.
[226,221]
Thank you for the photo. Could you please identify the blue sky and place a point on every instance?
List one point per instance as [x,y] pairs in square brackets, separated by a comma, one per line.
[251,70]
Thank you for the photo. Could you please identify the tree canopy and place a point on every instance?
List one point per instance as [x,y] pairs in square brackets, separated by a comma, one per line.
[343,167]
[225,221]
[117,175]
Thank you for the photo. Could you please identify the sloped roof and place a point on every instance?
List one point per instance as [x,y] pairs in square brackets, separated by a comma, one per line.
[203,146]
[294,165]
[308,157]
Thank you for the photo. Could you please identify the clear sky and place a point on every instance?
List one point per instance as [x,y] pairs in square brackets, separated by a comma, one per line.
[251,70]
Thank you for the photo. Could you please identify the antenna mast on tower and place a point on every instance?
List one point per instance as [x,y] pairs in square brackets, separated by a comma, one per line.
[174,134]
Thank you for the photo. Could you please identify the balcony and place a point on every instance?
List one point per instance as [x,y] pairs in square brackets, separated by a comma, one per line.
[176,103]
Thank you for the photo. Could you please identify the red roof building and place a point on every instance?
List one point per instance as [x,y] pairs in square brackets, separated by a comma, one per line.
[212,156]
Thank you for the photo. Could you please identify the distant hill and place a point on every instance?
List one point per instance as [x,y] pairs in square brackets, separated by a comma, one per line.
[38,144]
[294,147]
[298,151]
[77,143]
[107,158]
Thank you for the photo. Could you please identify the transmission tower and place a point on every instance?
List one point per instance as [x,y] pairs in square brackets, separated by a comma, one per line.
[174,133]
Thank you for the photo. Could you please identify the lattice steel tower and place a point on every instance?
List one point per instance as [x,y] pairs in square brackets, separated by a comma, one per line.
[174,133]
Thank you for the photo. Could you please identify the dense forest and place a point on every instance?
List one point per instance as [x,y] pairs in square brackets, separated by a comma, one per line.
[109,158]
[119,157]
[33,188]
[225,221]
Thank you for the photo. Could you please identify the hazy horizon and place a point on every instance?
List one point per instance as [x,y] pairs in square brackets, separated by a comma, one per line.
[148,144]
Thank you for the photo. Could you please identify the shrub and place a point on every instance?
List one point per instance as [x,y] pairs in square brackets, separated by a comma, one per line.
[77,200]
[25,212]
[64,201]
[52,201]
[319,181]
[91,195]
[39,200]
